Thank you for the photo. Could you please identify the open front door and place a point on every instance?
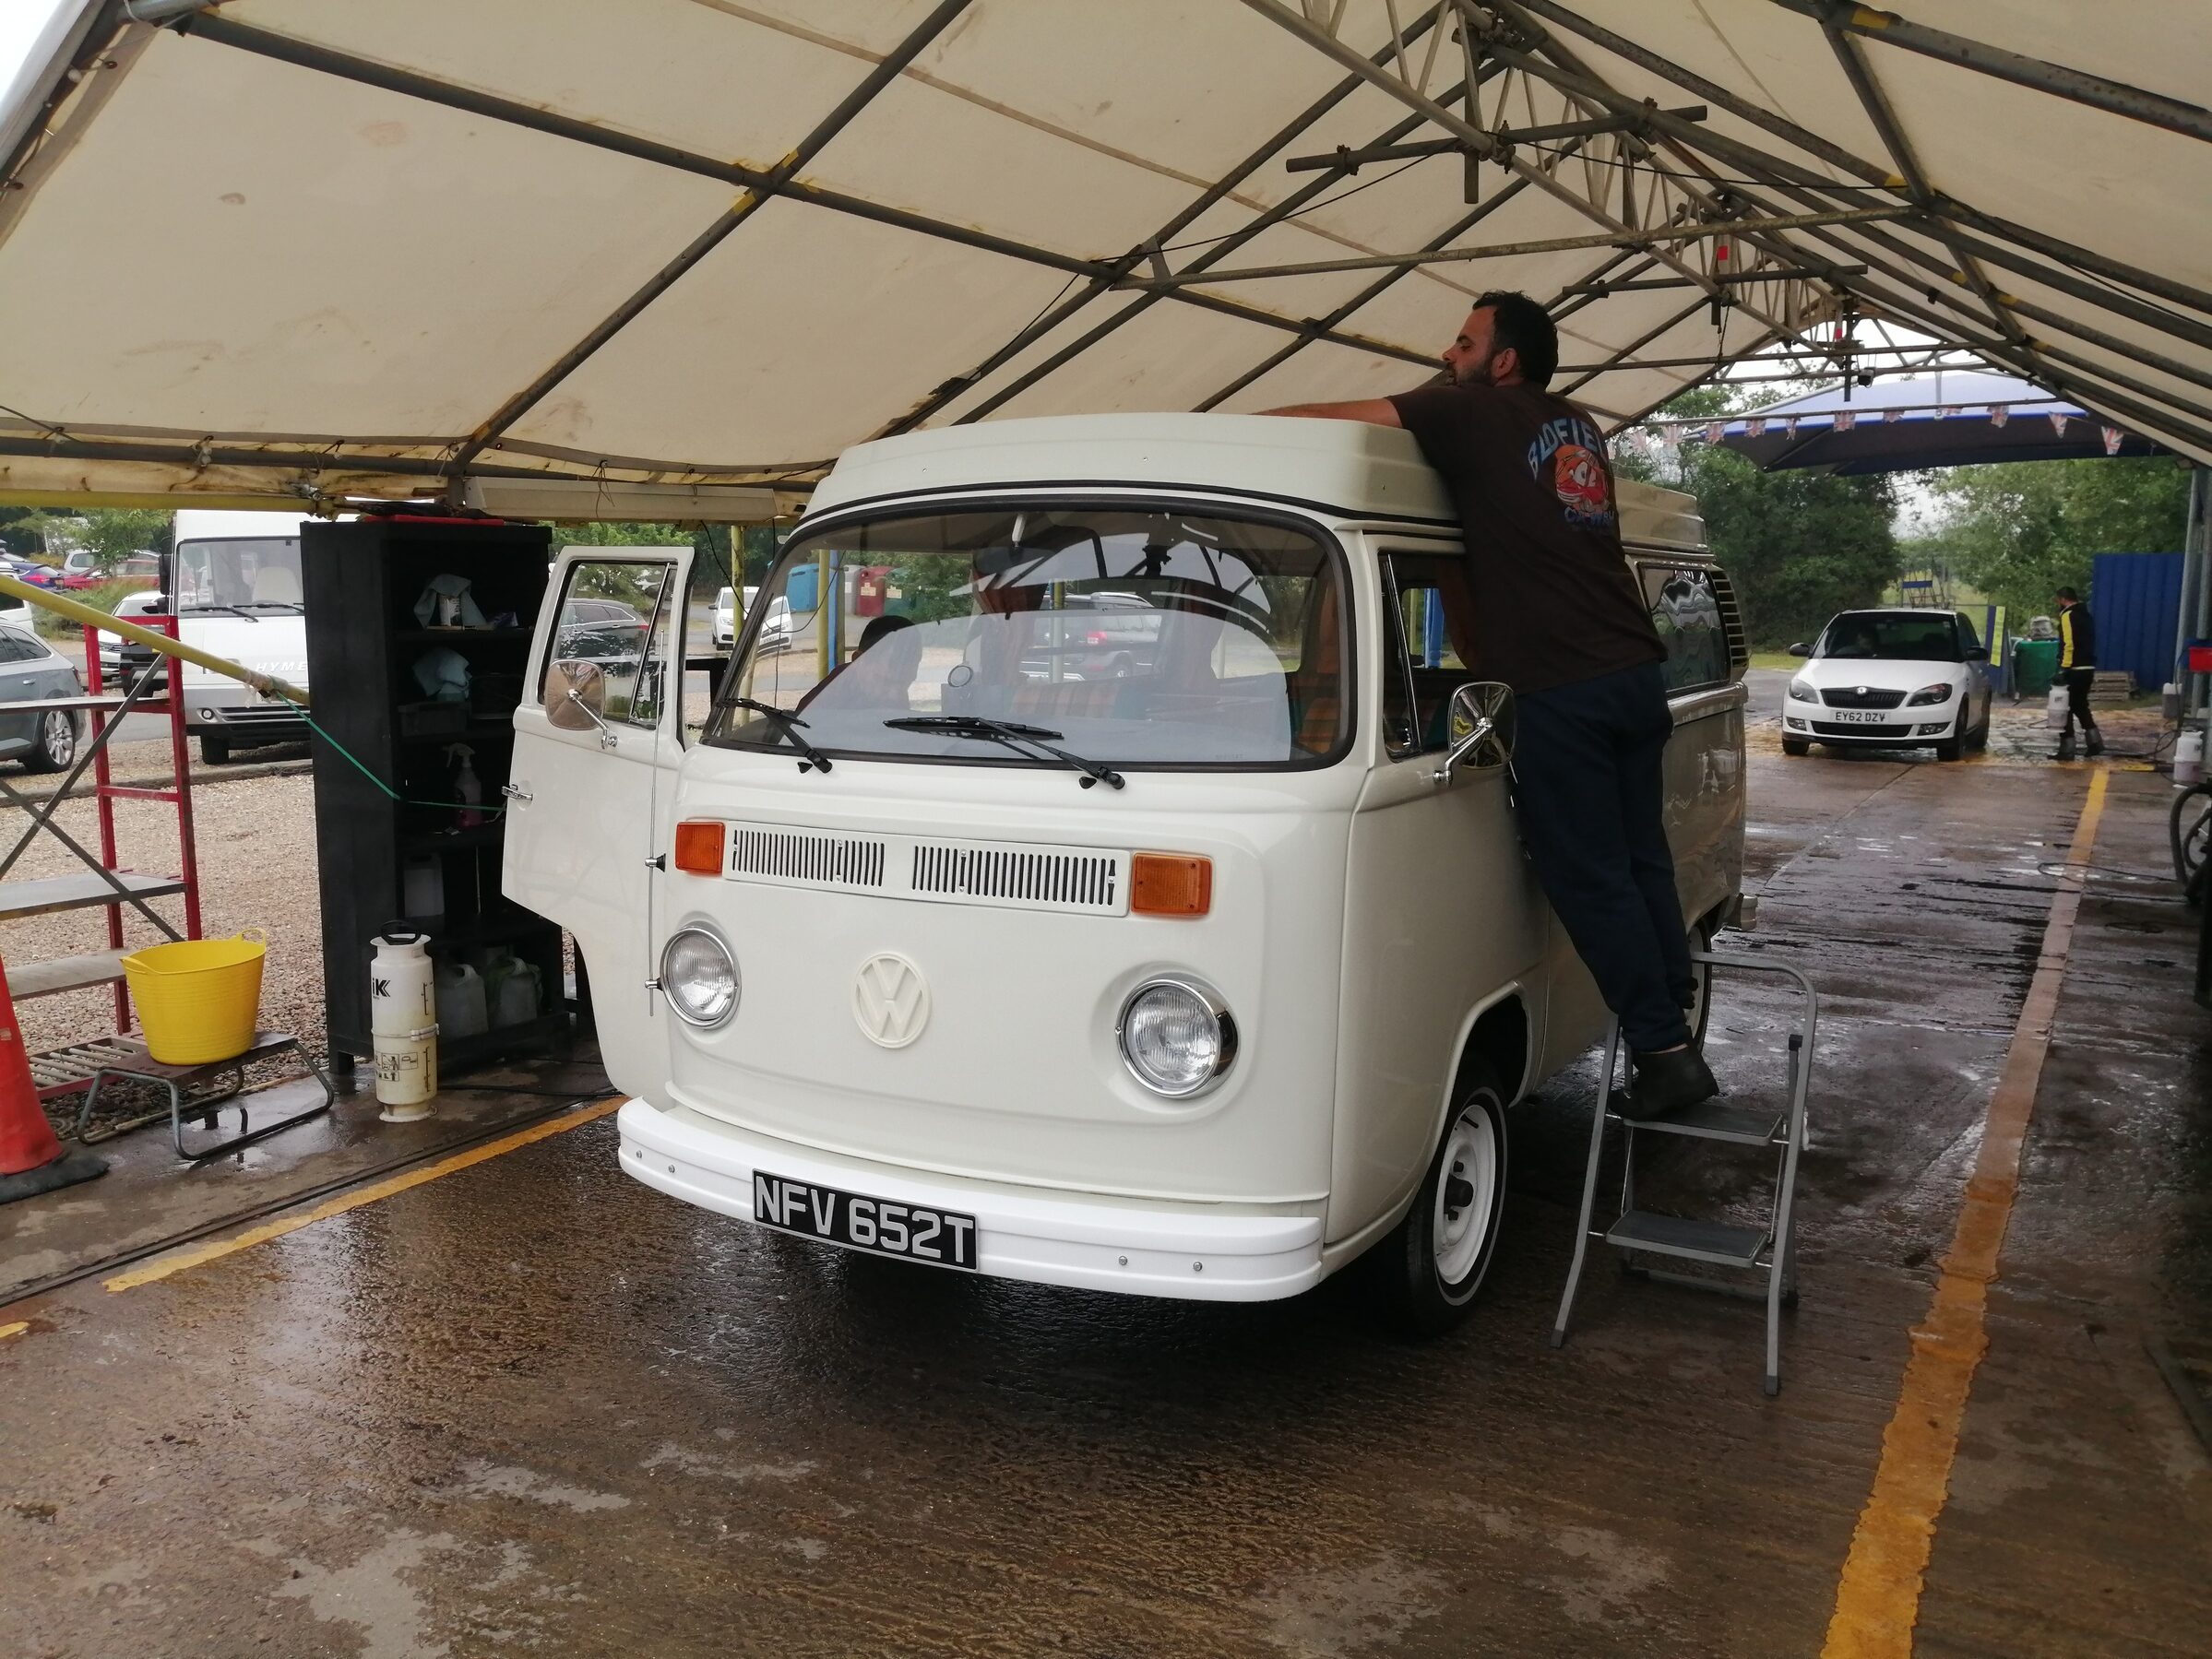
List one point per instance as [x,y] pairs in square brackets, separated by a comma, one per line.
[595,739]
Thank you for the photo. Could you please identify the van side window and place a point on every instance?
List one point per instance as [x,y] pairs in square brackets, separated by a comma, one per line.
[606,638]
[1432,642]
[1686,611]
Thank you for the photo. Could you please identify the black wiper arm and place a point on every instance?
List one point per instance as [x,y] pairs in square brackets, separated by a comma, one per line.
[202,610]
[1009,733]
[787,723]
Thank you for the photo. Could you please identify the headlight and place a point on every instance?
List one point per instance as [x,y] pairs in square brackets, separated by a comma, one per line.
[1939,692]
[698,976]
[1177,1037]
[1803,691]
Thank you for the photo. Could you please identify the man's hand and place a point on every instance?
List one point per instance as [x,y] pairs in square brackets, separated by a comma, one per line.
[1376,411]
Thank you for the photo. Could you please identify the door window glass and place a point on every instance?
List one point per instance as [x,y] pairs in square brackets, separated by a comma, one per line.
[1686,611]
[1969,642]
[1432,616]
[14,648]
[603,659]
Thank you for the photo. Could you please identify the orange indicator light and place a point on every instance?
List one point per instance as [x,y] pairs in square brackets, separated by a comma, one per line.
[1167,883]
[699,846]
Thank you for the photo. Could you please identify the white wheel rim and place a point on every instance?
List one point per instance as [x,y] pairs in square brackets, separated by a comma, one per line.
[1470,1153]
[1701,981]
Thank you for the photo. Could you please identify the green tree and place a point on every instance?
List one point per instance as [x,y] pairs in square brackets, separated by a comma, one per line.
[2020,530]
[110,534]
[1799,545]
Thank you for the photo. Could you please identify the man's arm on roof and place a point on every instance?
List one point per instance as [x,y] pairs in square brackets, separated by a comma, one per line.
[1376,411]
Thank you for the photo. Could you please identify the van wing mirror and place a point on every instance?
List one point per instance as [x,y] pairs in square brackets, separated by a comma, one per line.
[575,697]
[1482,728]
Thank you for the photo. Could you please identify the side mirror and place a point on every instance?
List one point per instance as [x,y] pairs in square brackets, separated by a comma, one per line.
[1800,649]
[1482,728]
[575,697]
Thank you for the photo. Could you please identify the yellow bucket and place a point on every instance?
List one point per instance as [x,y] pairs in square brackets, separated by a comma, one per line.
[198,999]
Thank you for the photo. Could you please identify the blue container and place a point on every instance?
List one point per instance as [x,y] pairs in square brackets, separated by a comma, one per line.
[2136,598]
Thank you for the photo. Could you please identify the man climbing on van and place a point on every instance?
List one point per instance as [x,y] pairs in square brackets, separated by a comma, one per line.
[1559,619]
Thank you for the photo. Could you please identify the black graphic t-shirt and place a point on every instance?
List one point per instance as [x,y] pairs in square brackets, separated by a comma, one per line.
[1528,472]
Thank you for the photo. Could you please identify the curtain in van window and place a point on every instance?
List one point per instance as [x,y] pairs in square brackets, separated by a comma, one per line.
[1686,611]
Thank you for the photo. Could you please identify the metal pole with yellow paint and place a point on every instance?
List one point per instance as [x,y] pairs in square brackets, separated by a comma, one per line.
[77,610]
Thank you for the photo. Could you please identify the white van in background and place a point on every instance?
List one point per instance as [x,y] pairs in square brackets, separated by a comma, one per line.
[233,580]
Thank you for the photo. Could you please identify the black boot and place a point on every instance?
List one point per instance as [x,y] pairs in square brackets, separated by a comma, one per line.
[2092,741]
[2065,746]
[1669,1082]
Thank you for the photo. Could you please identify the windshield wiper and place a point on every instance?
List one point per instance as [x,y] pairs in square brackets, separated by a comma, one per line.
[788,724]
[203,609]
[277,605]
[1009,733]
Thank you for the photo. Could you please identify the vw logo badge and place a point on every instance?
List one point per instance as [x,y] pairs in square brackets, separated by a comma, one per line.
[890,1000]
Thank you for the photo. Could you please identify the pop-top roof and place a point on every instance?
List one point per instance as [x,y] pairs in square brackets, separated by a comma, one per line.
[311,248]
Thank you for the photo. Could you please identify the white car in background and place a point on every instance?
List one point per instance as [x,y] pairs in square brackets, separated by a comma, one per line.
[1890,679]
[725,619]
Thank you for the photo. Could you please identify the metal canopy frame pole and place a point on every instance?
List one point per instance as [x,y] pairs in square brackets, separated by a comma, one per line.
[345,66]
[1482,144]
[2115,98]
[1811,143]
[1061,311]
[887,69]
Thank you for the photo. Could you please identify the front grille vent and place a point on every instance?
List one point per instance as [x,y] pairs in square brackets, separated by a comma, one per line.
[1048,877]
[807,860]
[1003,874]
[1852,696]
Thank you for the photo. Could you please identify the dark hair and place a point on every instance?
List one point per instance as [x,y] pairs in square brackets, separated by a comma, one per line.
[1524,327]
[2067,593]
[881,627]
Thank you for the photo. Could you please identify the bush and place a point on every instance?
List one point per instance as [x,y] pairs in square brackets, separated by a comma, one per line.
[104,597]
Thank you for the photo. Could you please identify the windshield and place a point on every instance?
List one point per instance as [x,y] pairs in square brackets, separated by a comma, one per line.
[1879,636]
[1138,636]
[239,574]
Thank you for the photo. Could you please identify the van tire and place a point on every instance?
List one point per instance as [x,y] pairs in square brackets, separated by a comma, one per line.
[1701,1017]
[1429,1275]
[213,752]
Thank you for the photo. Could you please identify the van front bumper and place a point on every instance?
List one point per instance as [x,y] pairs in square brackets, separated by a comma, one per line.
[1144,1249]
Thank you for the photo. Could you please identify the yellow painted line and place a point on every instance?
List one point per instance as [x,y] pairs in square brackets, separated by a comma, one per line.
[17,1329]
[214,1250]
[1878,1601]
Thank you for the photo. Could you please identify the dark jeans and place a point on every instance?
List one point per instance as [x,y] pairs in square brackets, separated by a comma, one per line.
[2077,683]
[1586,770]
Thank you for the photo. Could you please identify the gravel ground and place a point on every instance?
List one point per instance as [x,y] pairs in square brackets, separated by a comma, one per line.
[257,869]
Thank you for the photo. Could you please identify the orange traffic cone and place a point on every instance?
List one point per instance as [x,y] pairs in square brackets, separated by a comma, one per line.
[31,1159]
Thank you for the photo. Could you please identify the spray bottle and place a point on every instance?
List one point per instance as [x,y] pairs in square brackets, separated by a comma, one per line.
[468,789]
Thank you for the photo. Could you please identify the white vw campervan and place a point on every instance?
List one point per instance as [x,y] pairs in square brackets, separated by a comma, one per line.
[1108,881]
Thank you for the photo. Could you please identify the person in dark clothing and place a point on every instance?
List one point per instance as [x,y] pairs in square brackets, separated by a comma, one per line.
[2077,673]
[1560,619]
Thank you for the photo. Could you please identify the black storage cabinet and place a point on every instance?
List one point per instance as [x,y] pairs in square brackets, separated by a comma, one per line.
[361,582]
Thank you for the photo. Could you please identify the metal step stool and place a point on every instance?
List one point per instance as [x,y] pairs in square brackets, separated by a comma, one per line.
[1770,1250]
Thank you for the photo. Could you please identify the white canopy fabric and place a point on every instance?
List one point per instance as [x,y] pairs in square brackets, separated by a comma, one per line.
[318,248]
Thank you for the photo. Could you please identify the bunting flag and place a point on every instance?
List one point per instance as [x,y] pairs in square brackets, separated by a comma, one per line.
[1755,428]
[1892,415]
[1947,411]
[1846,419]
[1999,414]
[2058,423]
[1715,431]
[1790,426]
[2112,435]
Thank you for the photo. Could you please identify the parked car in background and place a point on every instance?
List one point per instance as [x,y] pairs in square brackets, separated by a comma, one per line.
[33,671]
[122,662]
[1890,679]
[776,626]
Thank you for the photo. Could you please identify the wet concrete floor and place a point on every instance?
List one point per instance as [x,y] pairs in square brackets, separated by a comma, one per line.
[533,1407]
